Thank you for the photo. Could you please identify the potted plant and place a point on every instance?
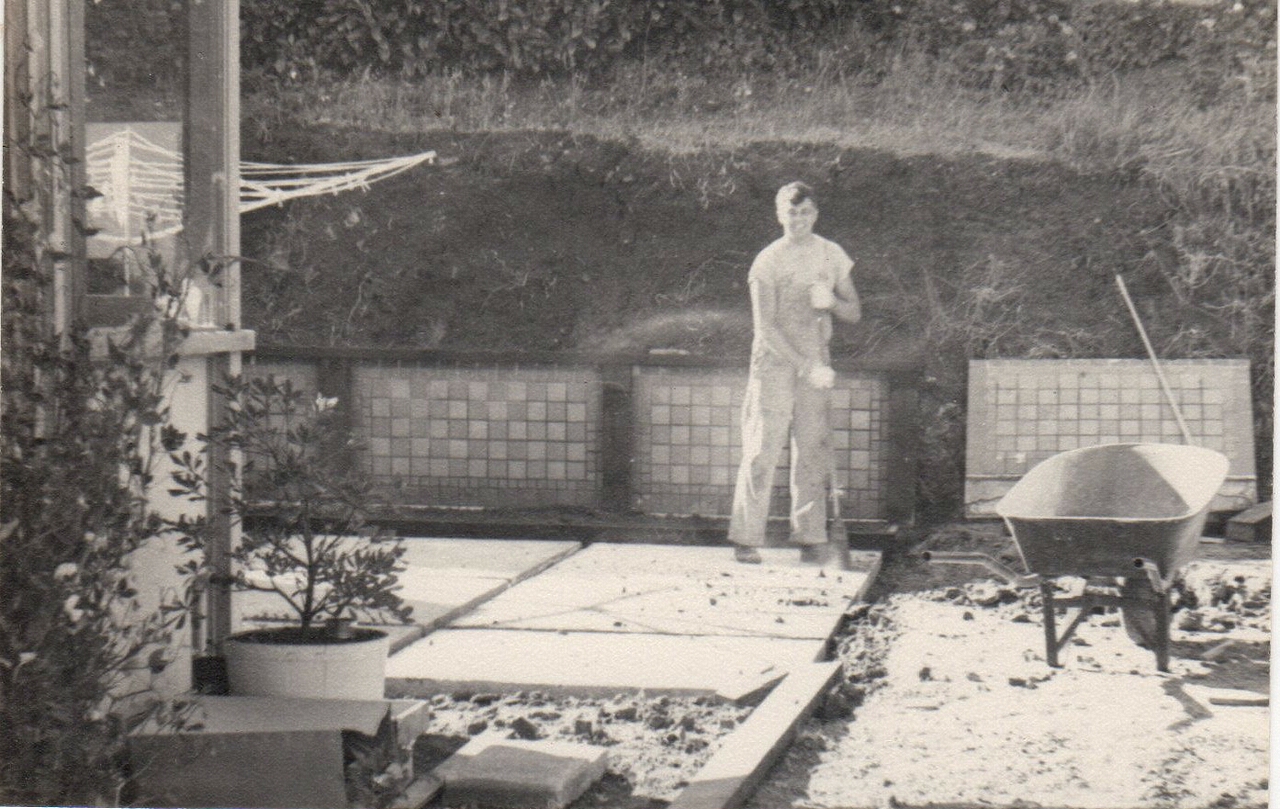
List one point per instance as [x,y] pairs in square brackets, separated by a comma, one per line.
[309,543]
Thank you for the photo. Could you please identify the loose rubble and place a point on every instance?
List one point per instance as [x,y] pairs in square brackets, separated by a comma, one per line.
[656,743]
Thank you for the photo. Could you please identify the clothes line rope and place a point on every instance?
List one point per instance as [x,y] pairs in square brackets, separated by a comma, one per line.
[142,187]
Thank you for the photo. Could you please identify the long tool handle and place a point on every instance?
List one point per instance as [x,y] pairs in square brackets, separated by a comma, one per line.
[1151,352]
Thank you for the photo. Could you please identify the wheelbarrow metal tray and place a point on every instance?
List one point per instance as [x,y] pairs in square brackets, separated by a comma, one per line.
[1095,511]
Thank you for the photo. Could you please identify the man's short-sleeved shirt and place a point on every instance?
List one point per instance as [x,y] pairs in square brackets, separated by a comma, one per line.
[787,273]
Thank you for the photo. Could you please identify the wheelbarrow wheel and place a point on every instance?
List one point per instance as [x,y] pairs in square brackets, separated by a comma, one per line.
[1139,615]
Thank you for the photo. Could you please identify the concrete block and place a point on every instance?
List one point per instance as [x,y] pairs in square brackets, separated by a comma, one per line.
[260,751]
[493,771]
[1251,525]
[253,769]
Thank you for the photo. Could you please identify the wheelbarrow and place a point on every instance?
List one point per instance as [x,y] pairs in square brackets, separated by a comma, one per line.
[1125,517]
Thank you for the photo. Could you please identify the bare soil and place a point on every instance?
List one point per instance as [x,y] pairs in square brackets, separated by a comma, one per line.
[945,699]
[655,744]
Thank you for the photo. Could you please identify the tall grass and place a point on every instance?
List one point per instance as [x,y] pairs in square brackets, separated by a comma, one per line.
[911,108]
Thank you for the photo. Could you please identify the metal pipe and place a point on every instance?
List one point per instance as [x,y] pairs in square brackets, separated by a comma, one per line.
[1153,573]
[994,566]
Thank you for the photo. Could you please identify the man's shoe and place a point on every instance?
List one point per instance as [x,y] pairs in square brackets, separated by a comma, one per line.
[816,554]
[746,554]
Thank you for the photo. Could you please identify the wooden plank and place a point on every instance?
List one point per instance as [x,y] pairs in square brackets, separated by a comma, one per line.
[728,778]
[1253,701]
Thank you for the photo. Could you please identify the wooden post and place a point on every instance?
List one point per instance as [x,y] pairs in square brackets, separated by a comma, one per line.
[616,439]
[44,92]
[904,428]
[17,84]
[211,225]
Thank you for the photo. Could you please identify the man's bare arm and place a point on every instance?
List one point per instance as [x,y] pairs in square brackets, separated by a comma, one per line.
[848,306]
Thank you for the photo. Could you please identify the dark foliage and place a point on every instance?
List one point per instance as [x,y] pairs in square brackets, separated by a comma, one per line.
[80,434]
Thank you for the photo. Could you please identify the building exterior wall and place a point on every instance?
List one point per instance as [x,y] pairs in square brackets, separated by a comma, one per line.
[154,565]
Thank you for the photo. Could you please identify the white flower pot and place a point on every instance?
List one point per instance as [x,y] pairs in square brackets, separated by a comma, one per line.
[259,663]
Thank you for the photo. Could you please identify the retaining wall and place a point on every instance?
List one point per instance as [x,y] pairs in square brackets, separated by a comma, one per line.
[654,435]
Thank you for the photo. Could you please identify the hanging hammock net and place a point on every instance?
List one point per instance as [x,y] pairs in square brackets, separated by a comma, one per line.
[142,189]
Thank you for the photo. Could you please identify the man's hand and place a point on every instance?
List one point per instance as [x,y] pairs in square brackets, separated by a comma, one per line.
[822,376]
[821,297]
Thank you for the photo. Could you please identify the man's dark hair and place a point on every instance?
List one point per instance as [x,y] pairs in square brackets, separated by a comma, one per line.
[796,193]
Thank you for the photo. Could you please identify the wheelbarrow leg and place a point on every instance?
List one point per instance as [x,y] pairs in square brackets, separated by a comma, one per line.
[1050,626]
[1162,630]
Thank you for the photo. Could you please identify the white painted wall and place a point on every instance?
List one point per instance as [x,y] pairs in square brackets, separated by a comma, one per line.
[153,566]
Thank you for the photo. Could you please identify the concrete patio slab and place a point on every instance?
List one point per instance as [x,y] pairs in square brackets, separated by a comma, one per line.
[664,607]
[444,578]
[610,618]
[681,590]
[592,662]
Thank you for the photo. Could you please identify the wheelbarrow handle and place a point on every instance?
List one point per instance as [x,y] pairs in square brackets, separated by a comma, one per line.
[1001,571]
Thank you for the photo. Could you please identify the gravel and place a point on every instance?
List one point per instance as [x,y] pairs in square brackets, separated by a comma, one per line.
[946,699]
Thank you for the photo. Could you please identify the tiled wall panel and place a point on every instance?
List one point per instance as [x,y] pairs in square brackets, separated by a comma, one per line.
[1023,411]
[688,442]
[525,437]
[481,437]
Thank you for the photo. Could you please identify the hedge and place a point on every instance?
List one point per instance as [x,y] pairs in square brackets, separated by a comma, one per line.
[1012,44]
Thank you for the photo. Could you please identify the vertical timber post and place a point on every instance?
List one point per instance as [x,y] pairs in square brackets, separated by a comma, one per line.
[335,377]
[904,430]
[211,147]
[44,136]
[616,436]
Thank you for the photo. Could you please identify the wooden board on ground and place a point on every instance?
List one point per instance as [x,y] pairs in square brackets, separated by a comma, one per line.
[730,775]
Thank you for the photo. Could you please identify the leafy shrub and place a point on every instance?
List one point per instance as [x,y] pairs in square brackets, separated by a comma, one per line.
[79,438]
[294,39]
[316,550]
[1009,44]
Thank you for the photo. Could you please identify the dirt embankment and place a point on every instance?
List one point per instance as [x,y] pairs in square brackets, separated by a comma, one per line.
[546,242]
[540,241]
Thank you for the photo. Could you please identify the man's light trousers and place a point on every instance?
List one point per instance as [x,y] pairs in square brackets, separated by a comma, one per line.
[780,404]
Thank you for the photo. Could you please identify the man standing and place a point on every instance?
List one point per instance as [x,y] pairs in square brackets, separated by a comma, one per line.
[797,283]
